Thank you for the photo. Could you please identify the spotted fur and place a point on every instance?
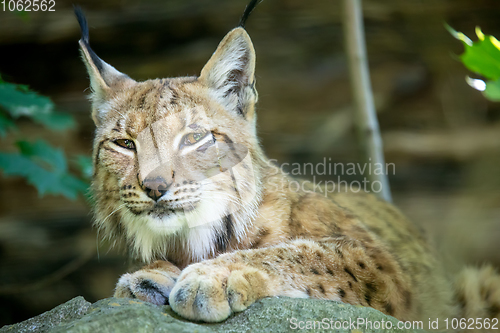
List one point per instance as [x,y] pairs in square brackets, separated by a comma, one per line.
[214,249]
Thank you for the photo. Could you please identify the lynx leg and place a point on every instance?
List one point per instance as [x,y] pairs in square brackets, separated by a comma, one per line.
[214,289]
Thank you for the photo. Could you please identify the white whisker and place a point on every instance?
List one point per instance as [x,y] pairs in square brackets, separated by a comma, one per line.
[119,207]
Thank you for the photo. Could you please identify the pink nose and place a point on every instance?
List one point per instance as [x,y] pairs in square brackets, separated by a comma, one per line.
[155,187]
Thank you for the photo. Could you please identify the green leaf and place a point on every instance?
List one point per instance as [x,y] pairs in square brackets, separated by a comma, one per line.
[42,151]
[482,56]
[6,123]
[19,101]
[44,167]
[492,91]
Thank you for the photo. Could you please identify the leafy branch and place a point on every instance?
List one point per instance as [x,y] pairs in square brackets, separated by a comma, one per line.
[41,164]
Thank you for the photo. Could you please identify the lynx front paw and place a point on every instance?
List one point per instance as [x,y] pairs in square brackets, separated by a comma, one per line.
[212,293]
[152,283]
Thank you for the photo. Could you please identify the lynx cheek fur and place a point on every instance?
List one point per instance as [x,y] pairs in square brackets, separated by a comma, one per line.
[181,178]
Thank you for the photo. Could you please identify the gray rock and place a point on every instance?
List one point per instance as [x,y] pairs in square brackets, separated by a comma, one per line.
[130,315]
[268,315]
[64,313]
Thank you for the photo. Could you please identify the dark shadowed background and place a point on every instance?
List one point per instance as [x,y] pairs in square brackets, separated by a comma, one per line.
[442,136]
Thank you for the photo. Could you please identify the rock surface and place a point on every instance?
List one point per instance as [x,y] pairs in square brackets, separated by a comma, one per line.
[61,315]
[268,315]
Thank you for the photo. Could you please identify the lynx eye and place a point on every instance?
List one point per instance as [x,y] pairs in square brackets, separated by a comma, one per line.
[192,138]
[129,144]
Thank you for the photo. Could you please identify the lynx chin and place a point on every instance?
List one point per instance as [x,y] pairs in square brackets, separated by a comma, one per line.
[180,178]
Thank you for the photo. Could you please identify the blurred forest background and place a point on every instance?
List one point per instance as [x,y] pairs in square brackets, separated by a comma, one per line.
[442,135]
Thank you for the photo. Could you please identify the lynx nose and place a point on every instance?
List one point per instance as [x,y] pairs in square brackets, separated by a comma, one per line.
[155,187]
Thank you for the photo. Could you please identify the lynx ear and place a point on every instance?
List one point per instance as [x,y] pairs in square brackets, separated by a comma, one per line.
[104,78]
[230,73]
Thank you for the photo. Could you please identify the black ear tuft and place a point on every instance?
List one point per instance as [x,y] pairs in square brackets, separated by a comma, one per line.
[82,21]
[84,28]
[104,78]
[248,10]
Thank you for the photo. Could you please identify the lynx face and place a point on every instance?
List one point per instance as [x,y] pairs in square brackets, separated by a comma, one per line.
[176,158]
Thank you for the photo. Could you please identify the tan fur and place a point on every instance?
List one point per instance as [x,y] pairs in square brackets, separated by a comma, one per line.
[219,251]
[478,292]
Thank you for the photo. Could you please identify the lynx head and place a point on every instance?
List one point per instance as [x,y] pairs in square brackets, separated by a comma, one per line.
[176,160]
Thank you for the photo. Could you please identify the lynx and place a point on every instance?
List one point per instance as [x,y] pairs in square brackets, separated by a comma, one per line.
[180,177]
